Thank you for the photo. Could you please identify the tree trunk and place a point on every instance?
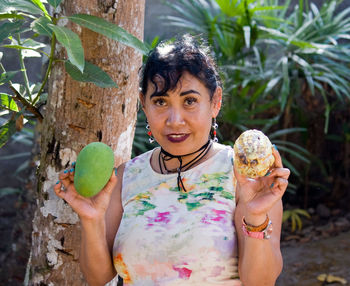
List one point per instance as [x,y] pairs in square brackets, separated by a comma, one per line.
[77,114]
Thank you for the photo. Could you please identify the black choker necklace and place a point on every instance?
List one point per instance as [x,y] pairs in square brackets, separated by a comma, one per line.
[167,156]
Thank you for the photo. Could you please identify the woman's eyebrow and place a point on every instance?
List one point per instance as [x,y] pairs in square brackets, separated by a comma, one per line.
[188,92]
[181,94]
[159,95]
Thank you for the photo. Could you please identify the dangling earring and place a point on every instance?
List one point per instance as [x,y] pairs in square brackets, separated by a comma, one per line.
[215,126]
[149,133]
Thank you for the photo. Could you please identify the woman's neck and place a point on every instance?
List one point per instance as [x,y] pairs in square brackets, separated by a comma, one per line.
[172,164]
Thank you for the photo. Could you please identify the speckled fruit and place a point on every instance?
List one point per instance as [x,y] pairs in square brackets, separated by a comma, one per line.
[93,168]
[253,154]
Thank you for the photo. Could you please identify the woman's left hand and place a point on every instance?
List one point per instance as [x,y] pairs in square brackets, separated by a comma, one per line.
[259,195]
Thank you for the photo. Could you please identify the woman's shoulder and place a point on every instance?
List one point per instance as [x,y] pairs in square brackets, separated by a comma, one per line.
[223,152]
[140,161]
[218,147]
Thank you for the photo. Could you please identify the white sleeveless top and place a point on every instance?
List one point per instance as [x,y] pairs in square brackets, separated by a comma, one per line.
[170,237]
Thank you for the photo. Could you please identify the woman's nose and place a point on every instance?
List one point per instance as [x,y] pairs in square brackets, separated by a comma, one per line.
[175,117]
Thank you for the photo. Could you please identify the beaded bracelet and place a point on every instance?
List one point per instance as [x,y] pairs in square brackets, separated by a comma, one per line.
[253,228]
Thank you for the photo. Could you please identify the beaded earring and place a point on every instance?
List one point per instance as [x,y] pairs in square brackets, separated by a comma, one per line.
[215,126]
[149,133]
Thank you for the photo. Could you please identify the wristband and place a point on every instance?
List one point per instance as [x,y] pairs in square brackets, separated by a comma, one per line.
[263,234]
[258,228]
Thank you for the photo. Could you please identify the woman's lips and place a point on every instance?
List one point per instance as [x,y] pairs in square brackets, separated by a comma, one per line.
[177,138]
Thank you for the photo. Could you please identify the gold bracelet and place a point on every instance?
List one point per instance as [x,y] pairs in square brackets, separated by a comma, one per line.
[253,228]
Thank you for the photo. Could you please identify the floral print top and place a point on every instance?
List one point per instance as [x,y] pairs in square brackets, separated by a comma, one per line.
[170,237]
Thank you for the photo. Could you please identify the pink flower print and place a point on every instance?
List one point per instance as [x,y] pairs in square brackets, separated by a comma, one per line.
[184,272]
[218,215]
[206,219]
[162,218]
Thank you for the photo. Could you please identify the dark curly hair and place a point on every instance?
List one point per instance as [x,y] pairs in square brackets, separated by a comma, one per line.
[169,60]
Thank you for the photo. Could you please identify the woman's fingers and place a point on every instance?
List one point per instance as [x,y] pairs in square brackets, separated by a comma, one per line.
[108,188]
[103,197]
[241,178]
[279,186]
[71,174]
[58,189]
[280,172]
[65,186]
[278,159]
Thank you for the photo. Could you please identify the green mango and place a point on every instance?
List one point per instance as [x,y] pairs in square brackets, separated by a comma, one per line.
[93,168]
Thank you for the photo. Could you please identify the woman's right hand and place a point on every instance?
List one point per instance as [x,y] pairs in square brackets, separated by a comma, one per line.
[93,208]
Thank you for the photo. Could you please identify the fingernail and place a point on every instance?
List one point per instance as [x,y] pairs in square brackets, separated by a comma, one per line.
[268,173]
[65,171]
[115,171]
[272,185]
[73,164]
[274,146]
[57,182]
[71,170]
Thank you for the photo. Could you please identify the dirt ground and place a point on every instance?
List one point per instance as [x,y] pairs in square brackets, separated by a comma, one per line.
[304,262]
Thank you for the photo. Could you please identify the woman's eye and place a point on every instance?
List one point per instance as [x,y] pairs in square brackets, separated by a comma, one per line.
[159,102]
[190,100]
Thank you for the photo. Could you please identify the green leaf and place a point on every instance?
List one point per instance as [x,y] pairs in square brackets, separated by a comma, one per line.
[15,156]
[27,52]
[7,76]
[156,41]
[41,26]
[54,3]
[291,144]
[7,28]
[298,220]
[41,7]
[8,191]
[72,43]
[286,215]
[6,131]
[294,153]
[290,166]
[294,222]
[30,43]
[267,8]
[6,101]
[272,83]
[286,83]
[91,73]
[109,30]
[247,33]
[7,6]
[30,48]
[11,16]
[302,212]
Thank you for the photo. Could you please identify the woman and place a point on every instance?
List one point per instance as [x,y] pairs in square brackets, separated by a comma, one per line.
[180,214]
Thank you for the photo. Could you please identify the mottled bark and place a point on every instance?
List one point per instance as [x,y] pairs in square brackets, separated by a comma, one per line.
[77,114]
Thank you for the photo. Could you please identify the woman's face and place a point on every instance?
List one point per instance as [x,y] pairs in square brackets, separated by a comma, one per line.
[181,119]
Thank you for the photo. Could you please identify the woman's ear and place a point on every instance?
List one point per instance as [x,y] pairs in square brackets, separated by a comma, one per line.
[142,100]
[216,101]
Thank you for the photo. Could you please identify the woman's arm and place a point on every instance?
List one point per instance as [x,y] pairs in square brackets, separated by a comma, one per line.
[95,256]
[100,218]
[260,260]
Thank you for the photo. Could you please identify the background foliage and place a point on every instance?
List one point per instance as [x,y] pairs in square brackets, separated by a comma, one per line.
[28,27]
[286,71]
[34,29]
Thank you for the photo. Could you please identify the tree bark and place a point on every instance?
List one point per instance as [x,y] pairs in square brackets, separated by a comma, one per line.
[77,114]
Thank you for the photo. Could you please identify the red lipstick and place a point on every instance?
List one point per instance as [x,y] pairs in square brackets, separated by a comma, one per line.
[177,138]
